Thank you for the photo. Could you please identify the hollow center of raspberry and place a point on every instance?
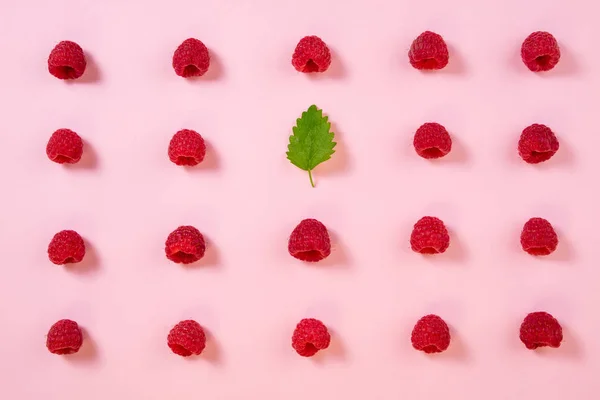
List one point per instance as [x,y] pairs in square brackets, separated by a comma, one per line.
[311,66]
[191,70]
[432,152]
[431,349]
[539,251]
[182,351]
[543,61]
[310,349]
[310,255]
[428,63]
[184,257]
[68,260]
[539,156]
[62,159]
[64,350]
[65,72]
[190,161]
[429,250]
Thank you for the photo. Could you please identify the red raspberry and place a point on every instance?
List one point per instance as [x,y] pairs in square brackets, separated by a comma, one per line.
[66,247]
[540,51]
[538,237]
[309,337]
[432,141]
[64,337]
[311,55]
[537,144]
[309,241]
[64,146]
[191,58]
[429,236]
[428,51]
[185,245]
[66,60]
[540,329]
[187,338]
[430,334]
[187,148]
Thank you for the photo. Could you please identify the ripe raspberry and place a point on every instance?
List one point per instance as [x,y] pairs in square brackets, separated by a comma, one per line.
[66,60]
[540,51]
[538,237]
[540,329]
[66,247]
[537,144]
[429,236]
[309,241]
[187,338]
[185,245]
[64,146]
[432,141]
[311,55]
[309,337]
[428,51]
[191,58]
[430,334]
[64,337]
[187,148]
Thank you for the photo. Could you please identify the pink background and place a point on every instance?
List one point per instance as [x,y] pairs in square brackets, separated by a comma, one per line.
[126,196]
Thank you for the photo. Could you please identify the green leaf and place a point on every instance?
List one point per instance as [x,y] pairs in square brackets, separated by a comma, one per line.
[312,142]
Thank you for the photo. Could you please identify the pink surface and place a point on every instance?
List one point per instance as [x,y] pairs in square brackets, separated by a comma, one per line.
[246,198]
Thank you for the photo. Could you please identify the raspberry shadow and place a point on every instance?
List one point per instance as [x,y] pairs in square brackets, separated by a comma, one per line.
[336,70]
[338,257]
[211,162]
[89,265]
[215,72]
[336,352]
[88,353]
[92,74]
[89,158]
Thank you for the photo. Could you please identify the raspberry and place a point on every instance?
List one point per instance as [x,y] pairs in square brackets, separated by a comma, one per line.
[309,241]
[187,338]
[311,55]
[187,148]
[64,337]
[66,247]
[540,51]
[64,146]
[185,245]
[430,334]
[428,51]
[538,237]
[191,58]
[537,144]
[432,141]
[540,329]
[429,236]
[66,60]
[309,337]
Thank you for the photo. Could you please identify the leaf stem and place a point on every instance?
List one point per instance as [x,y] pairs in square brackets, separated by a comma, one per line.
[310,176]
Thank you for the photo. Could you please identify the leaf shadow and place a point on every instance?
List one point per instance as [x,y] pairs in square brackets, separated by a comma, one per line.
[339,162]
